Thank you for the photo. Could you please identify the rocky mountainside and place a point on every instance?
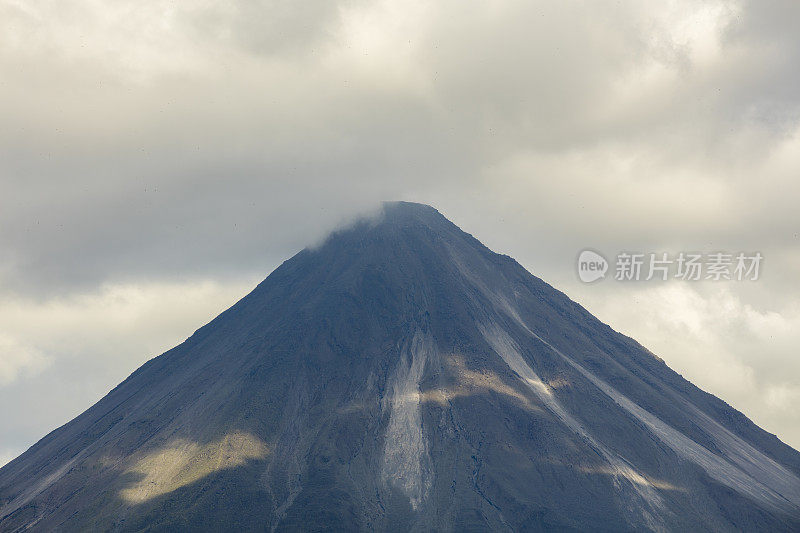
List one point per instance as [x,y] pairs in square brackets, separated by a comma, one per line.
[402,376]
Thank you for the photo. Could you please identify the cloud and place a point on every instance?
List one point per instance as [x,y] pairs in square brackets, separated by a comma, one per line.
[18,359]
[201,129]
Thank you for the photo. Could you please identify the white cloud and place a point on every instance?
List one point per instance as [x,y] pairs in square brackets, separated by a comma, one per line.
[117,322]
[17,359]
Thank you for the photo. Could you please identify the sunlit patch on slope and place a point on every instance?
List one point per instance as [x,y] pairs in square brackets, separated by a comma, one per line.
[406,464]
[470,382]
[183,462]
[633,478]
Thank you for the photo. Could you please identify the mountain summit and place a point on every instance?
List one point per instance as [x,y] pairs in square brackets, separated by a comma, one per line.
[402,376]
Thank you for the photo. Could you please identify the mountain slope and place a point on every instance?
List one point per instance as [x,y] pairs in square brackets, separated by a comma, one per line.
[403,376]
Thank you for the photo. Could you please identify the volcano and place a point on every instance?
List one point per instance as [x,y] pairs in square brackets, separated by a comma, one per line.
[401,376]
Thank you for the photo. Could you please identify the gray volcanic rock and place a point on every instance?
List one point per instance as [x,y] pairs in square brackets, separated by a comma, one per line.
[401,376]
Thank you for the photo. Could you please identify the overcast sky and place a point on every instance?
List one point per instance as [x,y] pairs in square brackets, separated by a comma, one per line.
[159,158]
